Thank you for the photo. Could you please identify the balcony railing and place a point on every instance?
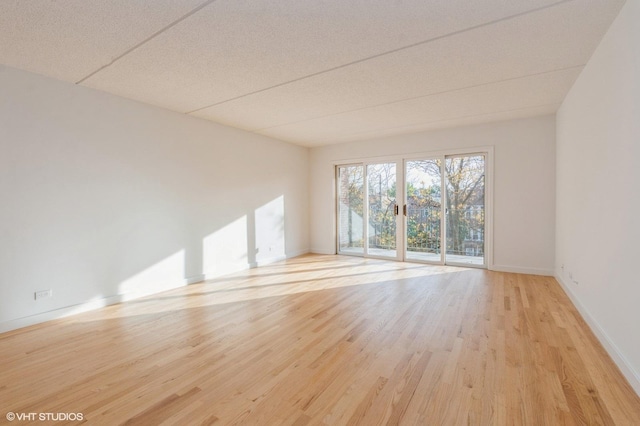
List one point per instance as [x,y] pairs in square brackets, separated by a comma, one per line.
[465,230]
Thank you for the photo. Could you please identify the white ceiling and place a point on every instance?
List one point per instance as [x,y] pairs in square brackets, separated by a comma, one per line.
[315,72]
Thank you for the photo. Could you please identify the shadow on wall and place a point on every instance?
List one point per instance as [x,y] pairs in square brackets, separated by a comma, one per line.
[246,242]
[102,196]
[252,239]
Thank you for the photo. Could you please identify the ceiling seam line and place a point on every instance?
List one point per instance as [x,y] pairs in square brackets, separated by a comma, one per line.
[448,119]
[148,39]
[409,46]
[423,96]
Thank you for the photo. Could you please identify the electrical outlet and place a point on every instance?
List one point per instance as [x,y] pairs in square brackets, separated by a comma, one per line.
[43,294]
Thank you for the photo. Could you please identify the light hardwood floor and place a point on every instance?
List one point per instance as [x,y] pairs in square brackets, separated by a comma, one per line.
[325,340]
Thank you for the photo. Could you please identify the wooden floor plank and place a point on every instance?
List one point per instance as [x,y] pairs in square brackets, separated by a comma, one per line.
[325,340]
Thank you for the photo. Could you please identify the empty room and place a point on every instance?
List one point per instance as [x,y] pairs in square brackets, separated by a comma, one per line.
[291,212]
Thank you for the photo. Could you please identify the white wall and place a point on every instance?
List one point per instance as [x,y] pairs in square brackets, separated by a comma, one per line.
[598,191]
[102,196]
[524,185]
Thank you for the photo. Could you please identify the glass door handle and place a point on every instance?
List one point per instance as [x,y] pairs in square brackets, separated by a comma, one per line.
[396,210]
[404,210]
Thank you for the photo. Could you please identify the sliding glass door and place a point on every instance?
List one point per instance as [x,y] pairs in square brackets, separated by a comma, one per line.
[445,210]
[423,224]
[465,207]
[426,209]
[367,225]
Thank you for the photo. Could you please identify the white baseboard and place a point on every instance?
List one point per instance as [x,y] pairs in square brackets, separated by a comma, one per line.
[275,259]
[619,359]
[195,279]
[499,268]
[297,253]
[321,251]
[522,270]
[90,305]
[267,261]
[66,311]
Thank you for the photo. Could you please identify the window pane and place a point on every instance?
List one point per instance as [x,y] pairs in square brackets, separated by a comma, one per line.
[382,202]
[351,209]
[423,188]
[464,180]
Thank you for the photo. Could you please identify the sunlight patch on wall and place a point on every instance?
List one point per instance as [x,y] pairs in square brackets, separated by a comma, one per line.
[165,274]
[270,238]
[225,250]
